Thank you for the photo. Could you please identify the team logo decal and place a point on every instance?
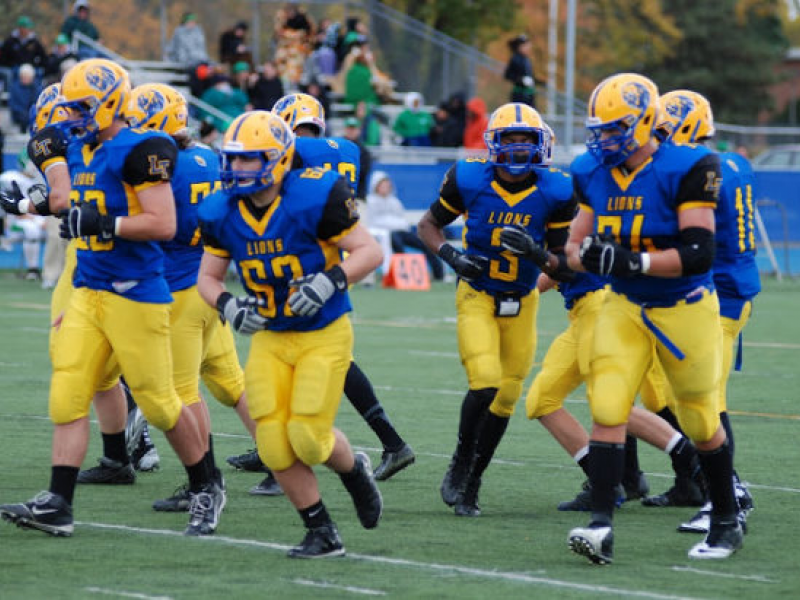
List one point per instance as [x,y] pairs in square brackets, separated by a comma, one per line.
[679,107]
[152,103]
[635,95]
[100,78]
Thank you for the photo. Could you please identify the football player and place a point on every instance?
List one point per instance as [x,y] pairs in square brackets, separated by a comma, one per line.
[687,118]
[122,206]
[306,117]
[496,297]
[646,221]
[284,230]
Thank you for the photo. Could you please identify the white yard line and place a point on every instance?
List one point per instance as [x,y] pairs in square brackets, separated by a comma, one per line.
[107,592]
[414,564]
[758,578]
[344,588]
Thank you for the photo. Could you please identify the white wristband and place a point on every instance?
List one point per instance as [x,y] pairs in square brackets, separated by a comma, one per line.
[24,206]
[118,221]
[645,256]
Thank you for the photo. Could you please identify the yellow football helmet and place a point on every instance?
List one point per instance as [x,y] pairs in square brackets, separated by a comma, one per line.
[257,134]
[301,109]
[687,116]
[158,106]
[45,111]
[623,110]
[518,157]
[95,92]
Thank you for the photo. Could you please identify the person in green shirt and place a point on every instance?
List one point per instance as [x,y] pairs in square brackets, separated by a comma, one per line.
[79,21]
[228,99]
[414,124]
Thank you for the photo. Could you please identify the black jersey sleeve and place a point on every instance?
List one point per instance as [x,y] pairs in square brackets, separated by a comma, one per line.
[700,186]
[579,196]
[150,161]
[558,224]
[340,214]
[450,204]
[210,241]
[47,147]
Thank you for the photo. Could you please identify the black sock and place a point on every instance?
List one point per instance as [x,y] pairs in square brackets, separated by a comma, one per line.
[352,478]
[718,469]
[114,447]
[606,464]
[198,475]
[63,481]
[684,458]
[489,436]
[473,410]
[315,515]
[726,425]
[211,462]
[361,394]
[583,463]
[669,416]
[631,472]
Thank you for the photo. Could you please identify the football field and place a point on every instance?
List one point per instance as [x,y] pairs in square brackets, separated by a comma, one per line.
[406,344]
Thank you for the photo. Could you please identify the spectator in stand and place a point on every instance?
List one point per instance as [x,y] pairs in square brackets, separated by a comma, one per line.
[414,124]
[233,45]
[385,213]
[200,78]
[62,53]
[355,35]
[446,132]
[79,21]
[224,97]
[352,132]
[321,63]
[22,47]
[370,126]
[265,88]
[241,76]
[477,121]
[363,81]
[22,96]
[187,46]
[519,71]
[296,19]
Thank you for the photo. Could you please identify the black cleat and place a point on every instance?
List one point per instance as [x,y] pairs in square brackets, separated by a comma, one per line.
[685,492]
[249,461]
[394,462]
[583,501]
[636,488]
[723,539]
[109,472]
[205,508]
[319,542]
[365,493]
[467,505]
[595,543]
[178,502]
[268,487]
[454,479]
[46,512]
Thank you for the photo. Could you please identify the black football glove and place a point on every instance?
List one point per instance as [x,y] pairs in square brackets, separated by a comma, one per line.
[314,290]
[602,256]
[517,240]
[85,219]
[13,202]
[241,313]
[467,266]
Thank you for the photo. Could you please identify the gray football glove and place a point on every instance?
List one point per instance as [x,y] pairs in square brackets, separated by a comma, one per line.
[314,290]
[241,313]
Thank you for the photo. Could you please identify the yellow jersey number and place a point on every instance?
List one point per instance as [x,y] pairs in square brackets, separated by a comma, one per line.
[199,191]
[254,273]
[98,198]
[744,218]
[612,224]
[505,270]
[346,170]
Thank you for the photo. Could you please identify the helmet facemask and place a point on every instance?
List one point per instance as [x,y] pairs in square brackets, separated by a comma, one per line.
[517,158]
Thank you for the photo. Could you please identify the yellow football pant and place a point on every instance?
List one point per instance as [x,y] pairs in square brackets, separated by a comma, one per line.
[99,326]
[221,371]
[497,352]
[294,382]
[624,349]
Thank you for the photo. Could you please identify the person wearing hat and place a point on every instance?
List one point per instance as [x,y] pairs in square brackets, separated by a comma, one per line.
[187,46]
[79,21]
[233,45]
[62,54]
[519,70]
[23,47]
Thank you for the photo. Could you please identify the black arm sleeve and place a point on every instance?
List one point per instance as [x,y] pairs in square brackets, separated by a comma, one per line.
[151,161]
[340,213]
[702,183]
[450,200]
[47,144]
[558,225]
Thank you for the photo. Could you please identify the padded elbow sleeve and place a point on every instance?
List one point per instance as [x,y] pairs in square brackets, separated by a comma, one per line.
[696,250]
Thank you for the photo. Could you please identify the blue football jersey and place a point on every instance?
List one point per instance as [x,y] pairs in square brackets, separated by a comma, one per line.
[332,154]
[196,176]
[640,209]
[574,290]
[735,271]
[541,203]
[108,176]
[295,236]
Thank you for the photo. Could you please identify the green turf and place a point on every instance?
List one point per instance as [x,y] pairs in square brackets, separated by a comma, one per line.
[405,342]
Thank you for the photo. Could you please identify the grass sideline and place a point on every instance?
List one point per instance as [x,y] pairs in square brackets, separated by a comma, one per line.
[406,343]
